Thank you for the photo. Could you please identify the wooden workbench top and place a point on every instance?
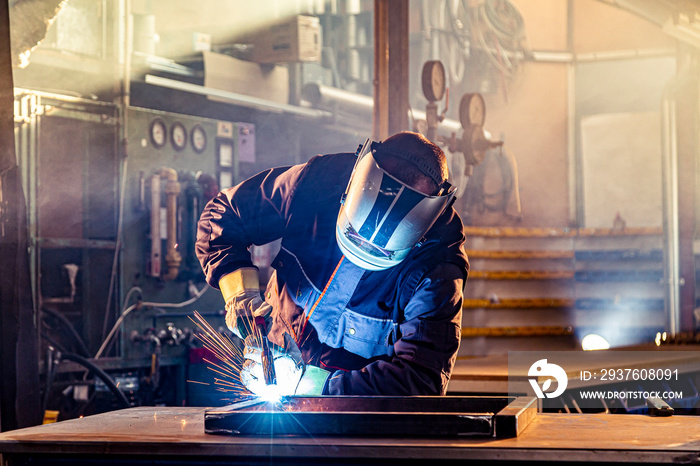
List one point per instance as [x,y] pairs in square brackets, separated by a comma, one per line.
[169,432]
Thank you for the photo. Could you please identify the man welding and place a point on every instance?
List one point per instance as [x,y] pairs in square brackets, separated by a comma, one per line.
[366,295]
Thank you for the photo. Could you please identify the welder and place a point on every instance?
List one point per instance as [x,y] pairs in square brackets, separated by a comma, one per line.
[366,294]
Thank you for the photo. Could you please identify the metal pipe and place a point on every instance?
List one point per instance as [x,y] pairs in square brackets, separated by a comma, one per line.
[652,10]
[626,54]
[548,56]
[155,227]
[576,211]
[330,98]
[334,99]
[669,176]
[173,259]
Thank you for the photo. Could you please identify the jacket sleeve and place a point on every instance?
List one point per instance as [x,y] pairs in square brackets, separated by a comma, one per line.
[252,212]
[427,350]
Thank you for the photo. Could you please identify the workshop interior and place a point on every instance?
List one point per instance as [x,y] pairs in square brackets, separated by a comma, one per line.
[570,128]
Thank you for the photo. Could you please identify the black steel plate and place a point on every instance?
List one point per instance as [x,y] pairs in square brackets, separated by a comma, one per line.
[421,416]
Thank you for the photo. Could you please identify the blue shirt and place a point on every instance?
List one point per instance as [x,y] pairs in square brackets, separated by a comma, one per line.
[390,332]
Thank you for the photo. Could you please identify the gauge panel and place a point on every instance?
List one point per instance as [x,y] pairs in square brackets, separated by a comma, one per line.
[158,133]
[472,110]
[198,139]
[178,136]
[433,80]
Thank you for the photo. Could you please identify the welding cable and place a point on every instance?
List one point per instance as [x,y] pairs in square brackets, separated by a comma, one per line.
[139,305]
[455,16]
[504,19]
[125,310]
[53,342]
[313,308]
[50,373]
[458,50]
[506,25]
[118,245]
[71,329]
[109,382]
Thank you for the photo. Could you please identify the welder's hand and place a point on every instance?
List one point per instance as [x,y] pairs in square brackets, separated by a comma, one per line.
[289,367]
[293,376]
[312,381]
[290,350]
[291,380]
[241,291]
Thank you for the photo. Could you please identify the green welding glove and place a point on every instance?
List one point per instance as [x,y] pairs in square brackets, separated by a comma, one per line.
[312,381]
[293,376]
[241,291]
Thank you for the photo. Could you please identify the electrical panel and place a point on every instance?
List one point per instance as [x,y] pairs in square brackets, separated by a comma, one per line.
[176,164]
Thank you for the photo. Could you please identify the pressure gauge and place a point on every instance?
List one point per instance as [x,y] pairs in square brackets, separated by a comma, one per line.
[178,136]
[199,139]
[158,133]
[472,110]
[433,80]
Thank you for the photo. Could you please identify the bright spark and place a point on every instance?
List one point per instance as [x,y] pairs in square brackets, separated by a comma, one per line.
[229,358]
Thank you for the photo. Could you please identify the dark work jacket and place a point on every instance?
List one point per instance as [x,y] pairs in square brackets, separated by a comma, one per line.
[390,332]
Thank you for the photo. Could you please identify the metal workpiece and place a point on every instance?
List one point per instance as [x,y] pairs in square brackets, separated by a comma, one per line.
[412,416]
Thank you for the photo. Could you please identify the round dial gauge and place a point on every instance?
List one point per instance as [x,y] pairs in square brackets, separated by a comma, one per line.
[158,133]
[433,80]
[178,136]
[199,139]
[472,110]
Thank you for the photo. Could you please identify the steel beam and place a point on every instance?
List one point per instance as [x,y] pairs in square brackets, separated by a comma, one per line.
[19,374]
[390,67]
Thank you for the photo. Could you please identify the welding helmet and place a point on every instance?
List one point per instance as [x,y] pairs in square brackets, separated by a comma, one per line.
[382,218]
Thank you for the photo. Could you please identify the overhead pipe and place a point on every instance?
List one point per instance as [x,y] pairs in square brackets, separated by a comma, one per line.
[334,99]
[651,10]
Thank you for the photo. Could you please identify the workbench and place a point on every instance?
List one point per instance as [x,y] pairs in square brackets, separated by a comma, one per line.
[172,435]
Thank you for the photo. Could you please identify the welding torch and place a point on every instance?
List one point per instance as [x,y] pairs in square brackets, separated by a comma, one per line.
[267,359]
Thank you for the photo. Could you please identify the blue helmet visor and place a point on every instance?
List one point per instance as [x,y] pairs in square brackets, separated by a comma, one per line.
[382,218]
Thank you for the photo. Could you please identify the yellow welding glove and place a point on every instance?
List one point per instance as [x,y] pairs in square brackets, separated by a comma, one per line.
[241,291]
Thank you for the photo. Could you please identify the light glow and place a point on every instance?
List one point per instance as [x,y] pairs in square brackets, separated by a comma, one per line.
[270,393]
[593,342]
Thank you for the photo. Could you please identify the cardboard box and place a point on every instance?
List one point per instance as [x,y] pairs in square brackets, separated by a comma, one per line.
[243,77]
[295,39]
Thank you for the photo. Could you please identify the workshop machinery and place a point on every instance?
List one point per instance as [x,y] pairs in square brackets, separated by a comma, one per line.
[114,194]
